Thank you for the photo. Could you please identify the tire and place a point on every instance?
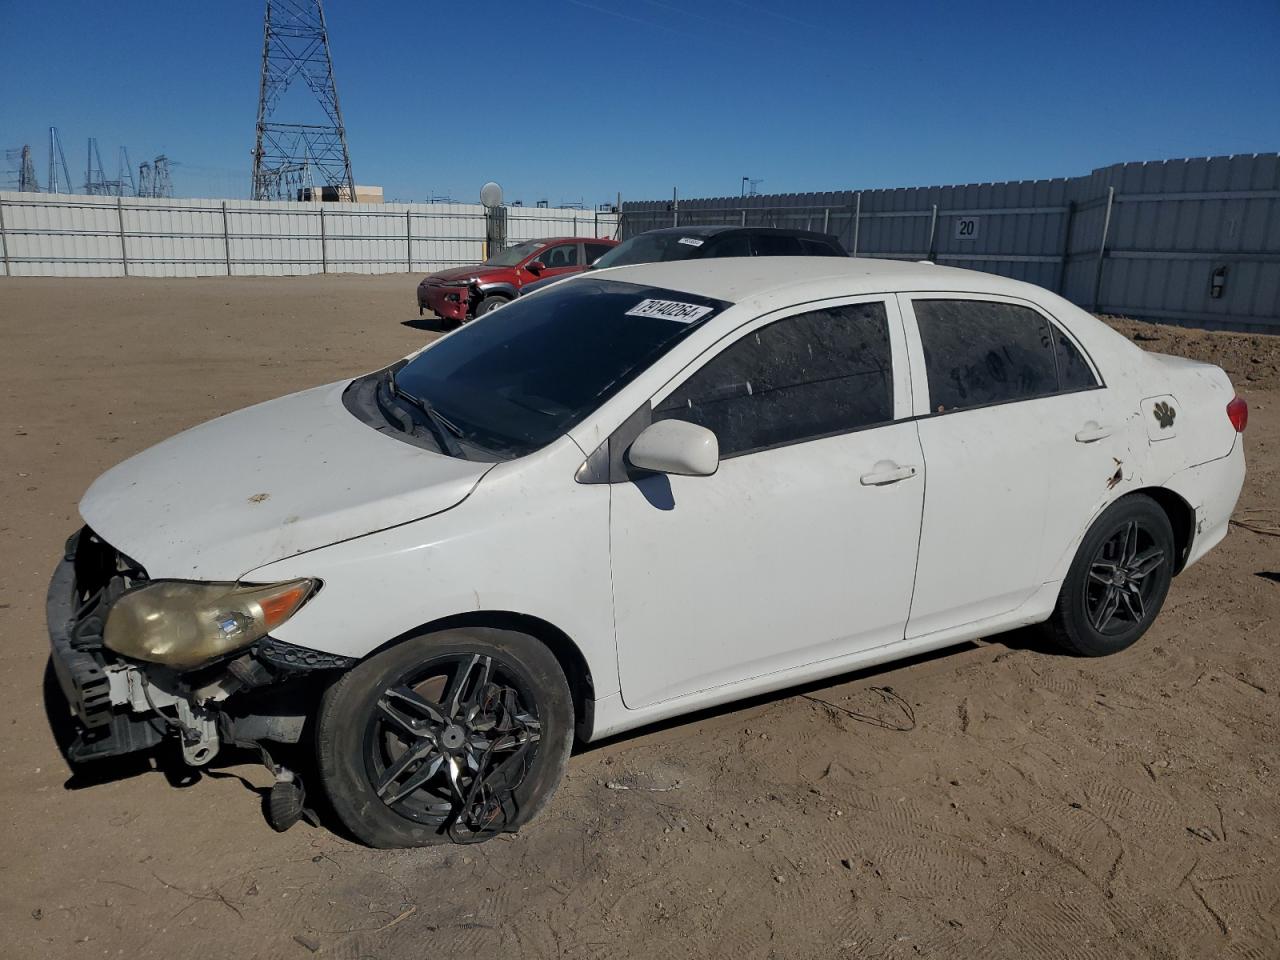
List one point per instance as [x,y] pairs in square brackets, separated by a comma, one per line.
[489,304]
[1118,580]
[362,737]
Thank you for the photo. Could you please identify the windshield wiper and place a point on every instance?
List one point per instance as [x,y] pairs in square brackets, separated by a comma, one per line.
[445,432]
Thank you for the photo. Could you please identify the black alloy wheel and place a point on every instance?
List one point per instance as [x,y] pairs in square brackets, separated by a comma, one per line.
[1118,580]
[455,735]
[1121,581]
[450,739]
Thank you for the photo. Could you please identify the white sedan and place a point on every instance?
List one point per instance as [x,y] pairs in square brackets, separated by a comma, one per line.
[635,494]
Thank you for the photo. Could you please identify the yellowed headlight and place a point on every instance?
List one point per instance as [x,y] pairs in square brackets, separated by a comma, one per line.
[183,625]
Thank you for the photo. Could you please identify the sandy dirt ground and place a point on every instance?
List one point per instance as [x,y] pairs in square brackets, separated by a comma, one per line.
[1025,805]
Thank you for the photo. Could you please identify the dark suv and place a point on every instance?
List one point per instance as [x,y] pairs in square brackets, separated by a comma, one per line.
[462,293]
[689,243]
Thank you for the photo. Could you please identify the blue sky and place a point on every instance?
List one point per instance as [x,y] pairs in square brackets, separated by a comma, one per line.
[571,100]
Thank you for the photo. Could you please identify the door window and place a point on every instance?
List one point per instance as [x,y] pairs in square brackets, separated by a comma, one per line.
[734,245]
[775,245]
[980,352]
[800,378]
[562,255]
[819,248]
[1073,369]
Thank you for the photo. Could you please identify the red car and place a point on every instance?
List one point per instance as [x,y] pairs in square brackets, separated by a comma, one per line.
[463,293]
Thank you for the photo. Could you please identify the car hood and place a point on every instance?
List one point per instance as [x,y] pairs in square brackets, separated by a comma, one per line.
[265,483]
[458,273]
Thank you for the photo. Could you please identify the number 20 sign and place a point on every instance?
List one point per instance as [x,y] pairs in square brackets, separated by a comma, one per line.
[966,228]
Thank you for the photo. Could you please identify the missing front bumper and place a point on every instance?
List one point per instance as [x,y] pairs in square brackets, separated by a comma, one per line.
[120,707]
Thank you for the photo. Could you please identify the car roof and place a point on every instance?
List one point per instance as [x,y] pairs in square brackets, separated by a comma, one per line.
[712,230]
[736,279]
[549,240]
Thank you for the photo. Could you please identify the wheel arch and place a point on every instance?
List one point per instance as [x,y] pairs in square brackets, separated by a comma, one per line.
[567,653]
[1182,518]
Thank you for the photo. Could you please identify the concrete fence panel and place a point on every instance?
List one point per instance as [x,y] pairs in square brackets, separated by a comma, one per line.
[91,236]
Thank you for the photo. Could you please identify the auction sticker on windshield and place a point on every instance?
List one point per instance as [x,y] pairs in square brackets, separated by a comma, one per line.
[690,241]
[669,310]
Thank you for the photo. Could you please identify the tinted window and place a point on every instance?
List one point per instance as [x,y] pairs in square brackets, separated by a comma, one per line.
[597,250]
[734,245]
[776,245]
[819,248]
[653,247]
[980,352]
[803,377]
[561,255]
[519,377]
[1073,369]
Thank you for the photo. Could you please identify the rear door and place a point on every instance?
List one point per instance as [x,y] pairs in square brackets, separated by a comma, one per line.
[802,546]
[1020,445]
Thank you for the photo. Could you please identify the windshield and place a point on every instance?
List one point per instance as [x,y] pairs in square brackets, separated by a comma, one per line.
[652,248]
[513,255]
[520,377]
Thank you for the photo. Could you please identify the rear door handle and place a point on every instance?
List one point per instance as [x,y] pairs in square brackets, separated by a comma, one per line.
[884,472]
[1091,432]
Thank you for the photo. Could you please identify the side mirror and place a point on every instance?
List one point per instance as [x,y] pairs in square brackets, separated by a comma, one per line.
[674,446]
[535,266]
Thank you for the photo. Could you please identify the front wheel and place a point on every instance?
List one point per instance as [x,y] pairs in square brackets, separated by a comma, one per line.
[1118,580]
[457,735]
[489,304]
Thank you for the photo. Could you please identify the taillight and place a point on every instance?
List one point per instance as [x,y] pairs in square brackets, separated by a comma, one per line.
[1238,414]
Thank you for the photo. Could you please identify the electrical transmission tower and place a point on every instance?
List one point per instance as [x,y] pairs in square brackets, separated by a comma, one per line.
[26,168]
[57,160]
[162,185]
[146,185]
[95,181]
[296,45]
[124,182]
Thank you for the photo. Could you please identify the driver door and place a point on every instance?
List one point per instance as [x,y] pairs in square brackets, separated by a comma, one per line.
[559,260]
[802,546]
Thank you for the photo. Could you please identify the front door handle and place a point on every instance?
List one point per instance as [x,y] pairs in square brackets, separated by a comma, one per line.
[884,472]
[1091,433]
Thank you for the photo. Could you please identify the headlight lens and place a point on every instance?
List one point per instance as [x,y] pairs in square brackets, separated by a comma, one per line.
[182,625]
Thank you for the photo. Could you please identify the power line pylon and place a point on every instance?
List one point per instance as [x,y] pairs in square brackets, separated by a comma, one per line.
[95,181]
[146,185]
[163,185]
[124,176]
[57,159]
[296,44]
[27,172]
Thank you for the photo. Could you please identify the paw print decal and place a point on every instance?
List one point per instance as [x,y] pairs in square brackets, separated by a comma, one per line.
[1164,414]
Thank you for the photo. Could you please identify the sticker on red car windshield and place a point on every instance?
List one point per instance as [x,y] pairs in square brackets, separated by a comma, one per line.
[691,241]
[669,310]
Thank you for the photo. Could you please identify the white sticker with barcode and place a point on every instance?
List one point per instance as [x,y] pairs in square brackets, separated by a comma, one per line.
[669,310]
[691,241]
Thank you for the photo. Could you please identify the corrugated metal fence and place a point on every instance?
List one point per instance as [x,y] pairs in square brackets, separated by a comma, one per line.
[86,236]
[1187,241]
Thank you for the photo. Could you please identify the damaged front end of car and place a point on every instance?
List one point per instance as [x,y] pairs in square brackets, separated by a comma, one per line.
[144,661]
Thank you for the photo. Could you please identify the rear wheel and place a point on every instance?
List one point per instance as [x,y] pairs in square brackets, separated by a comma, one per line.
[457,735]
[1118,580]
